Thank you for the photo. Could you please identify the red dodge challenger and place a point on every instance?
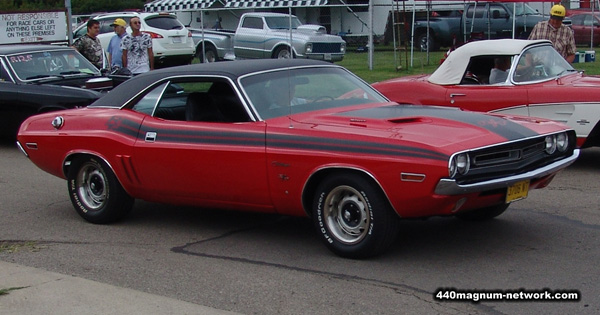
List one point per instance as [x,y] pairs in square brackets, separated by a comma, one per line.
[537,83]
[294,137]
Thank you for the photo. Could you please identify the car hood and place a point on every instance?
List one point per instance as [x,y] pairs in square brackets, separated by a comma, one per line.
[582,80]
[447,129]
[308,36]
[408,78]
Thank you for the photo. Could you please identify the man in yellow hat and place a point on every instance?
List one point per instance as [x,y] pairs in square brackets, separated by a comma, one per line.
[560,35]
[114,46]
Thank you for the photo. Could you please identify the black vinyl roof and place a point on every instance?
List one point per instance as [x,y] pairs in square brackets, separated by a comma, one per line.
[230,69]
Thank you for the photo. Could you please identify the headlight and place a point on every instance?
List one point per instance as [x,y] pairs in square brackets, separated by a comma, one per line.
[459,164]
[562,142]
[550,144]
[308,48]
[343,48]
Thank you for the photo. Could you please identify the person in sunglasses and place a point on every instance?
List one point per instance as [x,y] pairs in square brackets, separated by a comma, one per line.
[137,49]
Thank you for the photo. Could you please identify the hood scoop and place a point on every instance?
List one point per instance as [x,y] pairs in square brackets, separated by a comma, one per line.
[311,28]
[405,120]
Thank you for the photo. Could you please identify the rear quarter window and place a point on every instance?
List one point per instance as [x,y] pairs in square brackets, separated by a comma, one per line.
[164,23]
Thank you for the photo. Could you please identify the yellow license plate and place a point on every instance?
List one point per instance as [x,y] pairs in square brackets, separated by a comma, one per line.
[517,191]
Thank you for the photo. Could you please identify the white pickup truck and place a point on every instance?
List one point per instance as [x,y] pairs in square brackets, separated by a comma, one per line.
[267,35]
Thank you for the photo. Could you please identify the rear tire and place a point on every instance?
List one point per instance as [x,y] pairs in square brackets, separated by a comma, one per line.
[353,216]
[95,192]
[211,53]
[483,214]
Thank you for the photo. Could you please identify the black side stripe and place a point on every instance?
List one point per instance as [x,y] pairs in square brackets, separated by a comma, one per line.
[130,128]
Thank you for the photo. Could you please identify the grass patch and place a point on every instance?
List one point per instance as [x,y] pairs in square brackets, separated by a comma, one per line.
[13,246]
[7,291]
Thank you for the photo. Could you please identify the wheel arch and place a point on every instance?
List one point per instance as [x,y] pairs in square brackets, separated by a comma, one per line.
[310,187]
[75,155]
[281,45]
[207,43]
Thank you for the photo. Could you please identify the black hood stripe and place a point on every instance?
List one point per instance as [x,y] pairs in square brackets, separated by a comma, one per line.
[498,125]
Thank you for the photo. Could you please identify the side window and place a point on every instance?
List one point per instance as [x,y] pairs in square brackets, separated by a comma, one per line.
[479,11]
[201,100]
[105,26]
[4,74]
[498,12]
[80,32]
[147,103]
[253,22]
[577,19]
[588,20]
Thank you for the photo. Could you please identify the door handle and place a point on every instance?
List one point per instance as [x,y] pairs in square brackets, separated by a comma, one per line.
[452,95]
[150,136]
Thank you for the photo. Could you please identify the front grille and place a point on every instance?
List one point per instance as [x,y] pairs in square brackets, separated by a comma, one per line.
[511,159]
[321,48]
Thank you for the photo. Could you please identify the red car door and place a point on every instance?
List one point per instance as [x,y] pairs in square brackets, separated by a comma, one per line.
[205,161]
[489,98]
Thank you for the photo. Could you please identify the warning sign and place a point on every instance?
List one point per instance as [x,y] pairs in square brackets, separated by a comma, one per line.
[32,27]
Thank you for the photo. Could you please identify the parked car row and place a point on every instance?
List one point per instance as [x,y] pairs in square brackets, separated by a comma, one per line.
[259,35]
[294,137]
[310,138]
[172,42]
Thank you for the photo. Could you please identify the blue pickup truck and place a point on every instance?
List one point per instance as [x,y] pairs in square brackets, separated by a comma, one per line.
[481,20]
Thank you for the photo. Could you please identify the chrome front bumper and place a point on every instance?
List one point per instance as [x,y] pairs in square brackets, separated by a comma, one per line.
[450,187]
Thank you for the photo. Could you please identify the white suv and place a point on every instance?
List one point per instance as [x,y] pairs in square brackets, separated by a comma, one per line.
[172,43]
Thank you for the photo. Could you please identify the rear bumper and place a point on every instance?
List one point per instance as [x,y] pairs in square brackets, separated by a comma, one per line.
[173,60]
[451,187]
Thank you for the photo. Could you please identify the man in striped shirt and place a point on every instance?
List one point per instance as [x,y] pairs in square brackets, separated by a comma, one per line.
[560,35]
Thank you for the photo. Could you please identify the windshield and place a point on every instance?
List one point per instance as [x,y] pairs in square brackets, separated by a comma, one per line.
[47,64]
[540,63]
[282,22]
[280,93]
[523,9]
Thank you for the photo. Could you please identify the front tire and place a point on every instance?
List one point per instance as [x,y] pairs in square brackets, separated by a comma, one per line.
[95,192]
[283,52]
[483,214]
[353,217]
[422,42]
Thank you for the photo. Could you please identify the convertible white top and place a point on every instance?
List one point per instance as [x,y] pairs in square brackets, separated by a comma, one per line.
[451,71]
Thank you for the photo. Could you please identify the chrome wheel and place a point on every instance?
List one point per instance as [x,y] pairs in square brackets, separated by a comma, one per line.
[353,216]
[283,53]
[211,56]
[346,214]
[91,186]
[95,192]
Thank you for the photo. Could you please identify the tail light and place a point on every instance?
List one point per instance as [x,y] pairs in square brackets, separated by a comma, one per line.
[154,35]
[189,34]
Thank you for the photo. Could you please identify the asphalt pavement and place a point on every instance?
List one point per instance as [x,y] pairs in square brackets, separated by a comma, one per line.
[26,290]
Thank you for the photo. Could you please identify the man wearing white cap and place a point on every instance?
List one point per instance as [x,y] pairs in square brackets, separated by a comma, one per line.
[560,35]
[114,46]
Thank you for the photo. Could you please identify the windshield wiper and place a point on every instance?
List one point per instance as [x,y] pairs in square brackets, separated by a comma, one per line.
[75,72]
[41,76]
[566,70]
